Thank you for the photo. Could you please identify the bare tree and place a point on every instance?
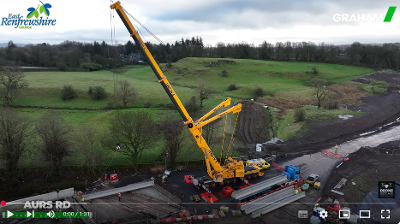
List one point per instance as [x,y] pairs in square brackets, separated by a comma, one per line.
[54,133]
[87,143]
[14,138]
[320,92]
[134,131]
[126,94]
[174,135]
[320,89]
[205,92]
[11,81]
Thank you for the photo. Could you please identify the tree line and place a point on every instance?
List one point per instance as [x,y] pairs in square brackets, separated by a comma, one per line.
[93,56]
[131,133]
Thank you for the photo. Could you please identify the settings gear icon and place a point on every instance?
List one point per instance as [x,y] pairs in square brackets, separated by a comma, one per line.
[322,214]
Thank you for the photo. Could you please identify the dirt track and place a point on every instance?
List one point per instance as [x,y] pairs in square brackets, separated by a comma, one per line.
[252,123]
[378,110]
[389,77]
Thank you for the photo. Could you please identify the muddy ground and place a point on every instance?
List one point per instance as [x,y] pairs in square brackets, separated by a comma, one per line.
[378,110]
[389,77]
[252,123]
[363,171]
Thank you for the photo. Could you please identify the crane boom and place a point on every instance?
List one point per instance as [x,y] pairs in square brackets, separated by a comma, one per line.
[214,169]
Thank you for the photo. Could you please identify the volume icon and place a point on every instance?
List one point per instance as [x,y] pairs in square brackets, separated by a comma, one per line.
[50,214]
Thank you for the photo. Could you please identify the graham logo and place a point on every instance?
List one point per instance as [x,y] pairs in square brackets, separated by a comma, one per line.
[38,16]
[366,17]
[387,189]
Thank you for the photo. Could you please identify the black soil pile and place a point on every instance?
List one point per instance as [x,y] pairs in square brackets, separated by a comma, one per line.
[252,123]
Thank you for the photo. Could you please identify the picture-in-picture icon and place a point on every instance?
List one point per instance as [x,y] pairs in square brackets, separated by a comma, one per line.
[344,214]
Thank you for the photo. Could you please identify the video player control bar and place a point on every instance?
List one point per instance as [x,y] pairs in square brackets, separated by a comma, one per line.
[46,215]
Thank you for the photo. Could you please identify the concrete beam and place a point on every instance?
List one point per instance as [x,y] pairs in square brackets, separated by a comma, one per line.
[115,191]
[277,205]
[267,200]
[258,187]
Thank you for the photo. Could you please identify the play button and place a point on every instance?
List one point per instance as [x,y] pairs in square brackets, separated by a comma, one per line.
[28,214]
[9,214]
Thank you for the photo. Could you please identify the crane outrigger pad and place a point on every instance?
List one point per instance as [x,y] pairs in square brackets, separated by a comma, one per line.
[244,186]
[188,179]
[209,197]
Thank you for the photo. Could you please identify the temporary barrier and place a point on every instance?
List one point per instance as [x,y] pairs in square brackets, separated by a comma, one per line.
[114,178]
[329,153]
[224,209]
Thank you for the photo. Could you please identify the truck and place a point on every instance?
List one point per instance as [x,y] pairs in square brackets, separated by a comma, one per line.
[258,162]
[312,179]
[289,176]
[218,174]
[292,172]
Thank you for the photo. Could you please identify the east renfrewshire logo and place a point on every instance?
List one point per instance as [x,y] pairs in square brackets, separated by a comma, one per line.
[37,16]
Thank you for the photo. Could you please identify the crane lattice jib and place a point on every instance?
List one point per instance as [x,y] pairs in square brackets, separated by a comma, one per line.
[214,168]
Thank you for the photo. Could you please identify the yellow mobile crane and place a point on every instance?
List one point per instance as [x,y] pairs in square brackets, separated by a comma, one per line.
[232,170]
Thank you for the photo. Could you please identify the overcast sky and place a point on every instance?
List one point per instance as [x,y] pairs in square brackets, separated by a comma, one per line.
[215,21]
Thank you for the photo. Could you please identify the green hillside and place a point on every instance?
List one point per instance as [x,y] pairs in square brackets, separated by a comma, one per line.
[284,79]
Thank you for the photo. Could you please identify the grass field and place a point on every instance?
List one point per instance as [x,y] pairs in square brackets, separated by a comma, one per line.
[285,79]
[101,120]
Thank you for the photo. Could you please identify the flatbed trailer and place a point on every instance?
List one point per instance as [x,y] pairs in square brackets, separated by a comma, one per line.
[268,189]
[259,188]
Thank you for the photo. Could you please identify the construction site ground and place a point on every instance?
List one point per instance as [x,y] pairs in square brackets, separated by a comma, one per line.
[365,168]
[377,111]
[176,184]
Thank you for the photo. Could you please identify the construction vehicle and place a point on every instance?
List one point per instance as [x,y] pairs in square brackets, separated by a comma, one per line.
[270,194]
[291,172]
[258,162]
[312,178]
[290,177]
[317,185]
[231,170]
